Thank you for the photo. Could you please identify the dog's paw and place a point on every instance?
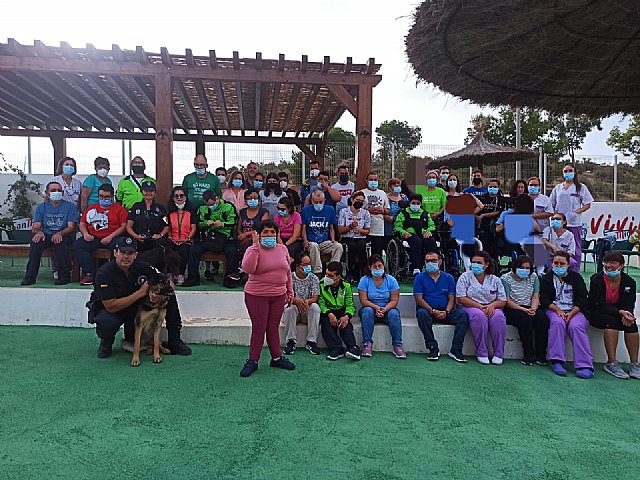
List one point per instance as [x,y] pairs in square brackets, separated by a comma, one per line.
[164,350]
[157,359]
[135,362]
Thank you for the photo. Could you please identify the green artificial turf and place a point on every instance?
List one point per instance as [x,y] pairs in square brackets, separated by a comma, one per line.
[67,414]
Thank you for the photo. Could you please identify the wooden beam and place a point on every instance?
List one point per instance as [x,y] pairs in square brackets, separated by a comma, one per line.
[307,151]
[186,101]
[200,144]
[236,66]
[274,107]
[59,143]
[344,97]
[292,105]
[22,112]
[258,97]
[164,136]
[17,94]
[321,113]
[202,94]
[307,108]
[12,120]
[213,64]
[364,133]
[326,64]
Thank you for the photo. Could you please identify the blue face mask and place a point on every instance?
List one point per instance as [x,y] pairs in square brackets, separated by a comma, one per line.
[612,273]
[68,170]
[569,175]
[534,190]
[282,213]
[444,177]
[373,184]
[105,203]
[523,272]
[201,171]
[414,208]
[377,273]
[306,269]
[493,190]
[318,207]
[257,184]
[560,271]
[431,267]
[268,242]
[431,182]
[213,207]
[236,182]
[252,202]
[396,189]
[55,196]
[556,224]
[477,268]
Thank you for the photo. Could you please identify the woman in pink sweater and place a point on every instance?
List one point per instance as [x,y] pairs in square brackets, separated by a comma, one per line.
[265,294]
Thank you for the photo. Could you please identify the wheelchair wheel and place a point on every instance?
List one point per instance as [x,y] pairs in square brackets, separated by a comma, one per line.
[393,257]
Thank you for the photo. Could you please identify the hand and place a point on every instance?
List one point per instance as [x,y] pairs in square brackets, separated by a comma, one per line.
[288,298]
[88,237]
[380,311]
[218,223]
[440,314]
[569,316]
[209,223]
[426,234]
[302,305]
[104,241]
[255,237]
[481,216]
[333,320]
[56,238]
[530,311]
[143,290]
[344,321]
[306,245]
[38,237]
[488,310]
[406,235]
[140,238]
[156,236]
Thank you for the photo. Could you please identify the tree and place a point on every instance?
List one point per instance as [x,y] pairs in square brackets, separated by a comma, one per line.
[627,142]
[398,134]
[341,145]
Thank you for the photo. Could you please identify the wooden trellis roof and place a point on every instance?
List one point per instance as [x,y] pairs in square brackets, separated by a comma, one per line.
[90,90]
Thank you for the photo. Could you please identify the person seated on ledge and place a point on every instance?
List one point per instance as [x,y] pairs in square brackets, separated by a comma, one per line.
[337,310]
[319,225]
[563,294]
[558,238]
[119,289]
[101,225]
[303,306]
[379,293]
[54,226]
[415,226]
[354,224]
[612,300]
[435,295]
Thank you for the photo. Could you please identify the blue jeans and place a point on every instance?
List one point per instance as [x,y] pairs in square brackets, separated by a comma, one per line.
[458,317]
[391,318]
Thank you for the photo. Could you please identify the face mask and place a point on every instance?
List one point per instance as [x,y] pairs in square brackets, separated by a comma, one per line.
[328,281]
[213,207]
[431,182]
[358,205]
[283,184]
[102,172]
[201,171]
[68,170]
[318,207]
[105,203]
[477,268]
[556,224]
[306,269]
[377,273]
[282,213]
[321,186]
[373,184]
[397,190]
[344,178]
[222,178]
[569,175]
[137,169]
[236,182]
[414,208]
[180,205]
[443,177]
[477,181]
[523,272]
[314,172]
[55,196]
[560,271]
[431,267]
[257,184]
[252,202]
[612,273]
[534,190]
[453,183]
[271,186]
[493,190]
[268,242]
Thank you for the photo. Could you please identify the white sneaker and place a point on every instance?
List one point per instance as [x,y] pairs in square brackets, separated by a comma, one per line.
[55,275]
[483,360]
[496,361]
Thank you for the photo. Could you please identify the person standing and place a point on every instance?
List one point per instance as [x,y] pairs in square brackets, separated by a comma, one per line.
[235,193]
[271,195]
[344,186]
[221,173]
[434,198]
[377,203]
[477,187]
[266,292]
[200,181]
[290,191]
[129,190]
[541,203]
[354,223]
[310,184]
[71,187]
[89,194]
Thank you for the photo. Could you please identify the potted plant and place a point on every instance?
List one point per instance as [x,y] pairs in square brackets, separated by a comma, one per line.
[16,223]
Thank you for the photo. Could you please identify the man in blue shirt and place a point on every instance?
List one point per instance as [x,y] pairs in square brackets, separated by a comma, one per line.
[319,225]
[435,292]
[310,184]
[477,189]
[54,225]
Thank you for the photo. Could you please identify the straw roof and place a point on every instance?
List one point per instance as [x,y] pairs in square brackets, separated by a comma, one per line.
[570,56]
[480,152]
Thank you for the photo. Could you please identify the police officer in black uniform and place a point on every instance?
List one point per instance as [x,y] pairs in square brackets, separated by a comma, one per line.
[119,286]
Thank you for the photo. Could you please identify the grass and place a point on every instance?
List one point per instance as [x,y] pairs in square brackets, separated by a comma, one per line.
[67,414]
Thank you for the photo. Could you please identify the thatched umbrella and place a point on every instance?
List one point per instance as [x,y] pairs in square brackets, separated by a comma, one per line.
[567,56]
[480,152]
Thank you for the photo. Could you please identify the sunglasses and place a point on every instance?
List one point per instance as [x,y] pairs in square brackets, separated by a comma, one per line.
[179,195]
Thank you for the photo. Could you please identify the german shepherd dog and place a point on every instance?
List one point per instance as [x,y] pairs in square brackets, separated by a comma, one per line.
[150,316]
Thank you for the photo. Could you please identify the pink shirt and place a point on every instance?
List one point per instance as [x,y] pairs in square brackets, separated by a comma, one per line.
[269,271]
[235,198]
[286,229]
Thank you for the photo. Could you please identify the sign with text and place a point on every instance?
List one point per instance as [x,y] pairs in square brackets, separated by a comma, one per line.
[621,218]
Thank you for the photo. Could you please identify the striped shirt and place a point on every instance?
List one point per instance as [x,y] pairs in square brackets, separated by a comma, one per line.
[487,292]
[520,291]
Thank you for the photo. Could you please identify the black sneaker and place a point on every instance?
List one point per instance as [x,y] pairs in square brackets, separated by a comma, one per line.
[191,282]
[235,276]
[353,353]
[313,348]
[209,275]
[290,348]
[105,348]
[283,363]
[434,354]
[61,281]
[28,281]
[335,355]
[542,363]
[250,366]
[527,361]
[177,347]
[457,356]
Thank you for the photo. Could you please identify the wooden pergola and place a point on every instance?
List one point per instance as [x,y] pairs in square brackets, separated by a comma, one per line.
[65,92]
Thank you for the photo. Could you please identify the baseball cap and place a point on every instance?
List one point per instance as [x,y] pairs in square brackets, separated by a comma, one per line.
[126,244]
[148,185]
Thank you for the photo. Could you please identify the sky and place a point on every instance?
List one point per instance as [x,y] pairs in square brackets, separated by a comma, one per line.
[356,28]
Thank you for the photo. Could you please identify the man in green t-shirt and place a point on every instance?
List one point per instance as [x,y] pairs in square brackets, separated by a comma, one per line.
[434,198]
[128,191]
[200,181]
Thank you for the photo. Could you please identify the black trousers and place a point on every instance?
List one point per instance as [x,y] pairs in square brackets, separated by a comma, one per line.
[418,246]
[159,254]
[62,255]
[378,244]
[357,255]
[108,324]
[182,250]
[529,328]
[603,321]
[333,336]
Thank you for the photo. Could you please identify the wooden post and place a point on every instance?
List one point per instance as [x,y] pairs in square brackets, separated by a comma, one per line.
[320,155]
[59,143]
[164,137]
[364,134]
[200,147]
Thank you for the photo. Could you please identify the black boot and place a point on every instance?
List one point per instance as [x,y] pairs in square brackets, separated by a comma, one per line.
[176,346]
[106,344]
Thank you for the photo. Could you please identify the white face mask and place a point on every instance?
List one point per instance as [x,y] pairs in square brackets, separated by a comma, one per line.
[315,172]
[452,183]
[283,184]
[102,172]
[222,178]
[180,205]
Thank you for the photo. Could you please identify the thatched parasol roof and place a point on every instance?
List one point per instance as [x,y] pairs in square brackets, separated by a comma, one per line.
[480,152]
[569,56]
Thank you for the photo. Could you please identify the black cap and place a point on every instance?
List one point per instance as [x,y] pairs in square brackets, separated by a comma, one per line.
[126,244]
[148,185]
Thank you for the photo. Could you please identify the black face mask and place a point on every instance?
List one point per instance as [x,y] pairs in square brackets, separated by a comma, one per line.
[358,205]
[477,181]
[344,178]
[137,169]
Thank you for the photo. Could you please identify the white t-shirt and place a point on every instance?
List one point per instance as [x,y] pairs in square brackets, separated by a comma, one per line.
[541,204]
[376,198]
[347,217]
[567,201]
[70,193]
[345,193]
[565,242]
[484,293]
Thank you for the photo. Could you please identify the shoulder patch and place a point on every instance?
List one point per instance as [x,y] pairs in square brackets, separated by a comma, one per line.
[104,285]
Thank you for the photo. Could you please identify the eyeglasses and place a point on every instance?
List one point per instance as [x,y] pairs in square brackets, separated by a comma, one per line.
[105,197]
[179,195]
[51,191]
[200,165]
[534,184]
[556,218]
